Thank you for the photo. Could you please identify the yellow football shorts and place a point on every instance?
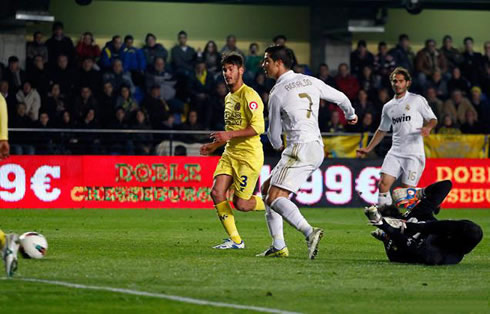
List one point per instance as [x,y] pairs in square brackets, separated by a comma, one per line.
[245,173]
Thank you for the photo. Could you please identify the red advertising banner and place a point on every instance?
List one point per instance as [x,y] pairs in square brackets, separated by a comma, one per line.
[106,182]
[185,182]
[470,178]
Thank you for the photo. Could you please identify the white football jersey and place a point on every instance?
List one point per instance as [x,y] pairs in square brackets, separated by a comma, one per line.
[293,108]
[407,116]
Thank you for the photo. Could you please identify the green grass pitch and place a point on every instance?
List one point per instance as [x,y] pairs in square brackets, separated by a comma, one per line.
[169,251]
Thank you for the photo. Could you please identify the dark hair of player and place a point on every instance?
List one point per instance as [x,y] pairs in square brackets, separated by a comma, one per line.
[402,71]
[280,53]
[232,58]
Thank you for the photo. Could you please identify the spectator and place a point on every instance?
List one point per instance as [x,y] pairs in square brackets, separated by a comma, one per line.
[486,57]
[89,76]
[143,141]
[39,76]
[82,104]
[369,82]
[64,75]
[334,124]
[43,140]
[87,48]
[324,75]
[367,123]
[59,44]
[439,84]
[216,119]
[126,101]
[14,75]
[183,56]
[347,83]
[231,46]
[448,126]
[180,150]
[89,142]
[67,141]
[107,103]
[384,64]
[152,49]
[471,125]
[482,108]
[158,75]
[453,56]
[30,97]
[157,108]
[259,83]
[200,86]
[457,106]
[23,142]
[280,40]
[360,58]
[133,58]
[434,102]
[253,62]
[458,82]
[428,61]
[54,105]
[472,66]
[403,54]
[212,58]
[192,124]
[9,98]
[120,143]
[113,50]
[36,47]
[118,77]
[362,105]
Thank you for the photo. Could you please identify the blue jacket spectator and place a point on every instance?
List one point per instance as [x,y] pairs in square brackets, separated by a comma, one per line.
[118,77]
[112,50]
[133,58]
[403,55]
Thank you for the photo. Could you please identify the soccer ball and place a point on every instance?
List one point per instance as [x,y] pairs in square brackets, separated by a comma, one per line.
[33,245]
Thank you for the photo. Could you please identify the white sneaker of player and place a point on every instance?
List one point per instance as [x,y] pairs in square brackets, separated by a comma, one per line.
[229,244]
[9,253]
[312,242]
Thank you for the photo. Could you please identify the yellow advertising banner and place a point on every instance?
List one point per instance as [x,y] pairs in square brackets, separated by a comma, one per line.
[344,146]
[456,146]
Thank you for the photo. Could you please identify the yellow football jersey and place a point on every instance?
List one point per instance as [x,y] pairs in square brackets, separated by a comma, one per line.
[243,108]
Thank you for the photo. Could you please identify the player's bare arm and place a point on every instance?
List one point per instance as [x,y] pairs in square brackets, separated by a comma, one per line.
[225,136]
[378,136]
[425,130]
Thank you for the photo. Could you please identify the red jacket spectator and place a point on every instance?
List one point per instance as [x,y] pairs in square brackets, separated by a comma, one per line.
[86,48]
[347,83]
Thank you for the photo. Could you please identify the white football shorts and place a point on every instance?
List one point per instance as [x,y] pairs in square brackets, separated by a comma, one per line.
[409,167]
[298,162]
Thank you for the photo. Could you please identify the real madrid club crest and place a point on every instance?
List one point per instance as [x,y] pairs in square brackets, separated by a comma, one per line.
[407,107]
[237,107]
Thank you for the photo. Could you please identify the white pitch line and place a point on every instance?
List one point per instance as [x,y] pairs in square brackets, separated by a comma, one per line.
[157,295]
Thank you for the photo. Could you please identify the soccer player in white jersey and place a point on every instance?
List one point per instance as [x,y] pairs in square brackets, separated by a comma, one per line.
[293,109]
[411,118]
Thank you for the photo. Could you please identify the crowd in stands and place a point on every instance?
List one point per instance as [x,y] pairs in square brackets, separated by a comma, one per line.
[121,86]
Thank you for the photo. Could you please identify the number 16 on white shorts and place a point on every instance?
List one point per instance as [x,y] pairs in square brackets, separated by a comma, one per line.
[409,167]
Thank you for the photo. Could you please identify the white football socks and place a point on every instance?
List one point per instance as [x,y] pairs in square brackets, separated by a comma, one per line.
[290,212]
[274,222]
[384,199]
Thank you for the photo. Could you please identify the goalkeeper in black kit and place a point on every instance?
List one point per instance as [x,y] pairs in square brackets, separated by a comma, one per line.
[417,236]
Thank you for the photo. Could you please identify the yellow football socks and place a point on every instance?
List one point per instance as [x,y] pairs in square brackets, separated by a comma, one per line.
[2,239]
[226,217]
[259,205]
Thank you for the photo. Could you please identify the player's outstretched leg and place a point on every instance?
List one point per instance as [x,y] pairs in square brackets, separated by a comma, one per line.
[275,225]
[279,202]
[9,253]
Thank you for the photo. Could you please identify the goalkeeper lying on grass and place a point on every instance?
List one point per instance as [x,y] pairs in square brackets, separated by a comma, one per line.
[417,236]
